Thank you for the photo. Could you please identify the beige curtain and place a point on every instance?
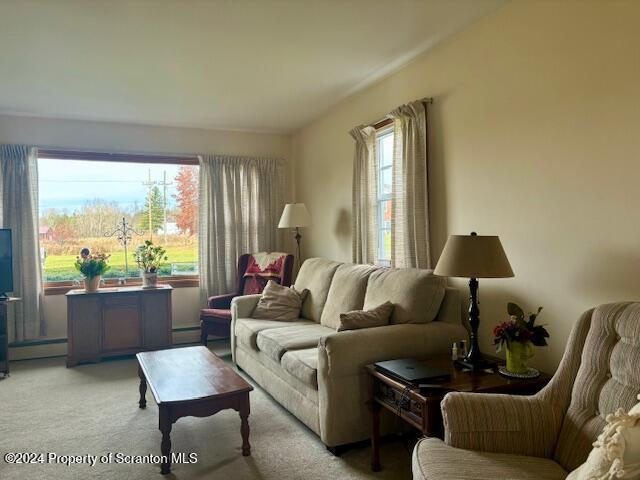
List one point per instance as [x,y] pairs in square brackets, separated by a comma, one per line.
[240,205]
[364,207]
[19,212]
[410,215]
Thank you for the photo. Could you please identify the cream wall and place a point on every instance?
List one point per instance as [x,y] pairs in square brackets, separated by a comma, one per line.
[534,136]
[104,136]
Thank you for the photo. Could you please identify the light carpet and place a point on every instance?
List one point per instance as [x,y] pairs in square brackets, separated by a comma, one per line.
[93,409]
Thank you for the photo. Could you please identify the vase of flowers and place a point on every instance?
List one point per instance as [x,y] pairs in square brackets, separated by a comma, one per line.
[149,258]
[519,335]
[92,266]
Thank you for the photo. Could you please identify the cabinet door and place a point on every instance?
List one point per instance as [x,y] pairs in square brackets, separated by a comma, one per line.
[156,320]
[121,324]
[84,316]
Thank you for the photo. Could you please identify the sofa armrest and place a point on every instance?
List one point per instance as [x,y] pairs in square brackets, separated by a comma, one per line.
[221,301]
[242,306]
[344,387]
[522,425]
[346,353]
[451,307]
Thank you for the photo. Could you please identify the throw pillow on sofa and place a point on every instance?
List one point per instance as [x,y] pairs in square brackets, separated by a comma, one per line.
[279,303]
[616,452]
[376,317]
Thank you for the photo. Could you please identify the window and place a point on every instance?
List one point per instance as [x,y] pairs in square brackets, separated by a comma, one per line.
[82,203]
[384,165]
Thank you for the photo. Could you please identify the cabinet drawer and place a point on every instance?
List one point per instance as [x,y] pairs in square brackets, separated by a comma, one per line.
[123,301]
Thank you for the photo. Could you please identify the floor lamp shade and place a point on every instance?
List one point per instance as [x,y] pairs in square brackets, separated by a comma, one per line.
[295,215]
[473,256]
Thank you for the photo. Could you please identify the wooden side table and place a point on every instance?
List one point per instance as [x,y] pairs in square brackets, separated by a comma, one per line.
[421,410]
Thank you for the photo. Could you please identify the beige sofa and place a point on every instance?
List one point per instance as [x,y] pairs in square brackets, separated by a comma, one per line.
[316,372]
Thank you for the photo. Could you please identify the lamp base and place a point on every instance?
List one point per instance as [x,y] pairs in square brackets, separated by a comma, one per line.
[476,364]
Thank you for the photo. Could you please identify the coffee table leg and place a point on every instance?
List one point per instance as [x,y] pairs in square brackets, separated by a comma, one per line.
[165,446]
[143,389]
[244,426]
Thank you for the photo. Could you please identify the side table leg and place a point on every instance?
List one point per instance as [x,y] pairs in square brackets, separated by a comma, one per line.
[375,435]
[165,446]
[244,425]
[143,388]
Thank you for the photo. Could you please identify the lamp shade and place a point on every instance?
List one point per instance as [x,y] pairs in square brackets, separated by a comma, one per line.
[295,215]
[473,256]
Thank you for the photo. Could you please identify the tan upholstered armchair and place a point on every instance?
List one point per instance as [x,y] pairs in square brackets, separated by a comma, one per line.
[546,435]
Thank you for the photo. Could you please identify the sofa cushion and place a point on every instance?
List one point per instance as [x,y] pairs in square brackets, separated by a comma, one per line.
[273,342]
[415,293]
[357,319]
[315,275]
[346,292]
[434,460]
[302,364]
[247,329]
[279,303]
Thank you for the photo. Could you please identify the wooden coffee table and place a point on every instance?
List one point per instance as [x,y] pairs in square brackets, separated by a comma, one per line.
[191,381]
[421,409]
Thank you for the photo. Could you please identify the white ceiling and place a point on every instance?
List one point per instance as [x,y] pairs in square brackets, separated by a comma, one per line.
[264,65]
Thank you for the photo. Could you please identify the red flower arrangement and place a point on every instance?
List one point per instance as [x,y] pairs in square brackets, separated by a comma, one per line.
[517,329]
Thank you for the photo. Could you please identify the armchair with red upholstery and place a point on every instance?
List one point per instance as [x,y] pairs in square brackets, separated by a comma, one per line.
[216,320]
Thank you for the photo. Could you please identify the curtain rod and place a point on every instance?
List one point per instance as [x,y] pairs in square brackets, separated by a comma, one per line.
[377,123]
[94,155]
[106,156]
[145,153]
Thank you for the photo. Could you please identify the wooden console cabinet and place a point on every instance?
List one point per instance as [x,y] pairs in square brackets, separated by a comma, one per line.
[117,321]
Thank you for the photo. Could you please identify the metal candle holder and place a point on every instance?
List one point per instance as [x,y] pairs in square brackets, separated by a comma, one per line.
[124,233]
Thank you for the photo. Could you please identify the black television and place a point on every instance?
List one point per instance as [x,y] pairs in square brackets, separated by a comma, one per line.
[6,263]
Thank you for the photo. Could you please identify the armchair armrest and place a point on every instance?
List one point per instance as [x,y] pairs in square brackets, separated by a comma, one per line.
[522,425]
[221,301]
[346,353]
[517,424]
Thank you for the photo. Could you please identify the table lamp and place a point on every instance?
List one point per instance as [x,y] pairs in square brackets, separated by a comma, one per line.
[473,256]
[295,215]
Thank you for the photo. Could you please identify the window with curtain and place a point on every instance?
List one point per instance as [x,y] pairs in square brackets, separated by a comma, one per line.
[84,198]
[384,197]
[390,190]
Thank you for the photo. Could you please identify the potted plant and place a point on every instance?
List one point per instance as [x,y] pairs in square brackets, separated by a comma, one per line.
[92,267]
[149,258]
[519,335]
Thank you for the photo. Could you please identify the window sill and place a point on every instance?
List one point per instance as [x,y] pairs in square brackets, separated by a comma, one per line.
[61,288]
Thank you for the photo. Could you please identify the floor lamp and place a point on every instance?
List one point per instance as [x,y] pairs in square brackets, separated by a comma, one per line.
[295,215]
[473,256]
